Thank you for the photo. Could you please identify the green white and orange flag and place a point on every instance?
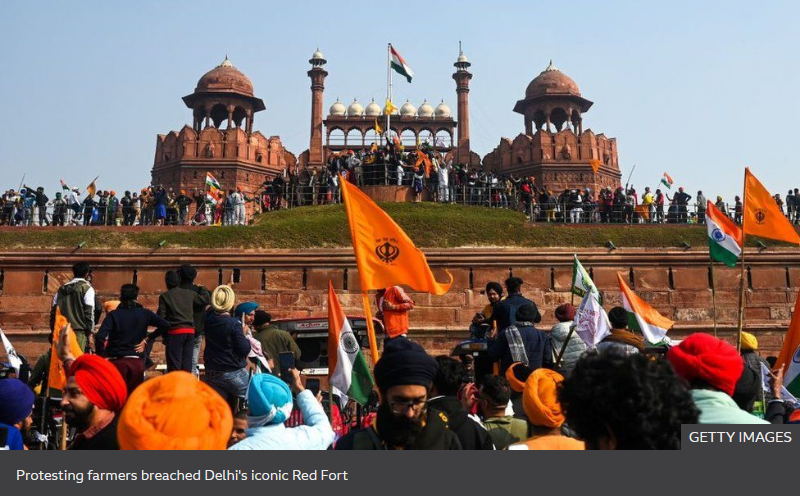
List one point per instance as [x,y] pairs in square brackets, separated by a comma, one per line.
[399,65]
[667,181]
[347,368]
[642,317]
[213,193]
[789,357]
[724,237]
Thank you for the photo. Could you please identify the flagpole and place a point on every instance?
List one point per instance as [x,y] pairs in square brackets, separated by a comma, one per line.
[740,326]
[388,91]
[713,291]
[373,341]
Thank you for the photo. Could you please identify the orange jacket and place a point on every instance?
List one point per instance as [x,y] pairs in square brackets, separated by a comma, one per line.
[395,306]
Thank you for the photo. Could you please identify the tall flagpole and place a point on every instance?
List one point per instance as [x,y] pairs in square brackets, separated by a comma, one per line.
[742,277]
[713,291]
[388,91]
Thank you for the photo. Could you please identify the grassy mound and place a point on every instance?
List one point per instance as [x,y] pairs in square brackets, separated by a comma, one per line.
[430,225]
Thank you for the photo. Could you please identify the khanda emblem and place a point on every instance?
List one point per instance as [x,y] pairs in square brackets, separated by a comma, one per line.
[761,215]
[387,252]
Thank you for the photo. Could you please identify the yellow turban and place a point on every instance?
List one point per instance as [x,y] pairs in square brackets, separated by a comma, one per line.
[175,412]
[540,400]
[516,384]
[749,342]
[223,298]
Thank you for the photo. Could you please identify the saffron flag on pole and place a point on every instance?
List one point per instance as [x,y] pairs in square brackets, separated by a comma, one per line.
[789,357]
[399,64]
[57,377]
[347,368]
[214,188]
[11,354]
[642,317]
[667,181]
[595,165]
[378,129]
[762,216]
[581,282]
[389,108]
[591,320]
[385,255]
[724,237]
[92,188]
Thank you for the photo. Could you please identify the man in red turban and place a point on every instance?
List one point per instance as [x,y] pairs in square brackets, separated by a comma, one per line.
[712,368]
[94,394]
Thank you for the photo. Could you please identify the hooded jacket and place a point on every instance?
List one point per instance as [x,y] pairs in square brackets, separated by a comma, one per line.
[717,407]
[75,300]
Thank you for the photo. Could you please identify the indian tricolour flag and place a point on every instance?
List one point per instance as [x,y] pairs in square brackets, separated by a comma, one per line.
[399,64]
[642,317]
[789,357]
[347,369]
[724,237]
[667,181]
[214,188]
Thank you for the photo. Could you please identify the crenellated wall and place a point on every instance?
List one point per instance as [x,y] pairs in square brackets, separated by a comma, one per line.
[294,284]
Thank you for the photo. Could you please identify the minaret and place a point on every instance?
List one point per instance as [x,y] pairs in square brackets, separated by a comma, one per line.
[462,77]
[317,75]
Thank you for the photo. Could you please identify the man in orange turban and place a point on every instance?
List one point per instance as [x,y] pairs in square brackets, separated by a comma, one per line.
[540,401]
[175,412]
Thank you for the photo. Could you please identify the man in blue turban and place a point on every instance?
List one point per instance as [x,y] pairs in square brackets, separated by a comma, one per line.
[16,405]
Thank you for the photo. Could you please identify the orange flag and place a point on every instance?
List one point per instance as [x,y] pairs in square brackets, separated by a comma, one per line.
[385,255]
[595,165]
[762,217]
[57,377]
[422,158]
[791,342]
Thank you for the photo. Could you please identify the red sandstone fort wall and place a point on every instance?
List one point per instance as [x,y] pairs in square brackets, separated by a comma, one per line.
[294,284]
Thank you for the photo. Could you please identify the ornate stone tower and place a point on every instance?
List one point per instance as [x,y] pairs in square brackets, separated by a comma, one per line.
[554,148]
[317,74]
[221,139]
[462,77]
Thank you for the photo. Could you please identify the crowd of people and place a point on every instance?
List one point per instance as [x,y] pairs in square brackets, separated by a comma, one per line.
[546,391]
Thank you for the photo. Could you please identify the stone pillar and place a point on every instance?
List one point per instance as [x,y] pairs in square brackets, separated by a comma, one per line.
[315,151]
[462,77]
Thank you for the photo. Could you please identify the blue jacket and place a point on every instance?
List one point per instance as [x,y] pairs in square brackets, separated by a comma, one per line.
[226,346]
[126,327]
[537,347]
[316,434]
[505,311]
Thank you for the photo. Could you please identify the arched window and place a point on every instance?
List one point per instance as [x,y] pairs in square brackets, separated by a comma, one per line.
[336,137]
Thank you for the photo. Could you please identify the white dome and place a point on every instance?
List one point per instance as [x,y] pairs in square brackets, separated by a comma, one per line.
[425,110]
[317,55]
[442,111]
[373,109]
[337,108]
[355,109]
[408,110]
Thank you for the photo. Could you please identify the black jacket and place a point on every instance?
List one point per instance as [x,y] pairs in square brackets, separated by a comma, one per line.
[471,435]
[226,346]
[537,348]
[199,310]
[126,327]
[434,436]
[505,312]
[178,306]
[106,439]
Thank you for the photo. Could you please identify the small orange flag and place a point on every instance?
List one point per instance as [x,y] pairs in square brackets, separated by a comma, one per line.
[762,217]
[57,377]
[791,342]
[423,159]
[595,165]
[385,255]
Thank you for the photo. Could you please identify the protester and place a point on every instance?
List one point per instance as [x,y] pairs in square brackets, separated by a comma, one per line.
[403,375]
[10,438]
[450,376]
[239,429]
[575,347]
[481,322]
[393,308]
[504,429]
[270,404]
[616,401]
[712,368]
[505,311]
[521,342]
[75,300]
[273,340]
[177,305]
[621,340]
[188,275]
[122,336]
[227,348]
[544,414]
[750,353]
[175,412]
[16,407]
[516,375]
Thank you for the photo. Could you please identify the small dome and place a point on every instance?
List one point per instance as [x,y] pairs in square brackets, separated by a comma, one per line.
[442,111]
[225,78]
[408,110]
[425,110]
[373,109]
[552,82]
[317,55]
[355,109]
[337,109]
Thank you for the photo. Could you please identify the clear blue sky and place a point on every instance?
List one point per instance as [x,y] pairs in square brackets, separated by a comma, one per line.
[697,89]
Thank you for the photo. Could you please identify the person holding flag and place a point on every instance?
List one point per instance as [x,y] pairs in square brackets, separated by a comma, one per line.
[347,368]
[641,316]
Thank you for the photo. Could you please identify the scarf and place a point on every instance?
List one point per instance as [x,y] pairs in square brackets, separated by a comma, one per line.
[515,344]
[626,337]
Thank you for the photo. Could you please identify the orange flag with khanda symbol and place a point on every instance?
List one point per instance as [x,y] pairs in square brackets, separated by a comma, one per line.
[385,255]
[762,216]
[57,377]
